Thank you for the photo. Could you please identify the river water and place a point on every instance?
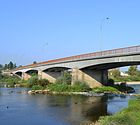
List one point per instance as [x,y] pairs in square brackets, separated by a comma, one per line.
[19,108]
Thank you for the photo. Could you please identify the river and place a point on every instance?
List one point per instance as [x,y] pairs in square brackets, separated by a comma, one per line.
[19,108]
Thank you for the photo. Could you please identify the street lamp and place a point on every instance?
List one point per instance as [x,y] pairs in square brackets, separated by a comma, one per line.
[101,31]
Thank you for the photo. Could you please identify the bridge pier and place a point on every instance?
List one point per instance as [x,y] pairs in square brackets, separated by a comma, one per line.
[48,76]
[93,78]
[25,76]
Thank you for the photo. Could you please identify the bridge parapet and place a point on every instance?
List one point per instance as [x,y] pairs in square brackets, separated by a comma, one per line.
[102,54]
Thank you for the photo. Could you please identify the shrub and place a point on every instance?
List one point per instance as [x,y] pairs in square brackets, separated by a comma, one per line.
[77,87]
[33,80]
[25,84]
[105,89]
[59,80]
[64,79]
[128,116]
[110,82]
[123,88]
[67,78]
[58,87]
[37,87]
[80,86]
[43,82]
[9,80]
[117,120]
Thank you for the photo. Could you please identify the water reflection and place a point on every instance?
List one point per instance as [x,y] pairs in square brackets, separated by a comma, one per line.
[72,109]
[55,110]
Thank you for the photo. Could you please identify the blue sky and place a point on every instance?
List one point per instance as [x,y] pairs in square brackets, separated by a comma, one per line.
[39,30]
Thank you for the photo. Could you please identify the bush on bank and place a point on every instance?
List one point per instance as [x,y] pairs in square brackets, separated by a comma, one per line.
[65,78]
[63,84]
[124,88]
[128,116]
[37,87]
[126,78]
[77,87]
[105,89]
[10,81]
[37,84]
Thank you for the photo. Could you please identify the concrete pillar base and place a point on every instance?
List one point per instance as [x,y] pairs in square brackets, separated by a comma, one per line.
[25,76]
[93,78]
[44,75]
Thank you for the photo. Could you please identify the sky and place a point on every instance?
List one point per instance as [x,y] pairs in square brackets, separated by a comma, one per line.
[40,30]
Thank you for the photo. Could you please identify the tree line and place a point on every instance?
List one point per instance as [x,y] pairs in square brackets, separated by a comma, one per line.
[8,66]
[133,74]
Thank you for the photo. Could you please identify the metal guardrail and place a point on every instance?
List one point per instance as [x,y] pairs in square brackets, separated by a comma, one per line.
[114,52]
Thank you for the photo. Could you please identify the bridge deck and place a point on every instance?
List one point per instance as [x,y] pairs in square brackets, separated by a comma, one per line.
[114,52]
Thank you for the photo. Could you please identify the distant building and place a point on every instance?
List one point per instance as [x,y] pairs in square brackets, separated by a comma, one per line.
[123,73]
[6,72]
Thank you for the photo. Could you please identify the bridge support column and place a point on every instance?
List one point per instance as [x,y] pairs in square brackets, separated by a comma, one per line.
[47,75]
[104,77]
[40,74]
[25,76]
[93,78]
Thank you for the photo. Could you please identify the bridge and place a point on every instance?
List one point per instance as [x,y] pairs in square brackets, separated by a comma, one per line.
[91,68]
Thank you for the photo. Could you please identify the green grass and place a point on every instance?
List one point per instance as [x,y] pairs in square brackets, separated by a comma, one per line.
[126,78]
[9,80]
[78,87]
[37,87]
[58,87]
[105,89]
[128,116]
[124,88]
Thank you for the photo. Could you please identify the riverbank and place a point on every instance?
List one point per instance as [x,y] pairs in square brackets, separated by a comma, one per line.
[64,89]
[128,116]
[130,83]
[134,83]
[95,106]
[64,93]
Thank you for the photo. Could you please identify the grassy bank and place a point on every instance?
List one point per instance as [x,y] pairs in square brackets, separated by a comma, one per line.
[128,116]
[105,89]
[62,84]
[78,87]
[10,81]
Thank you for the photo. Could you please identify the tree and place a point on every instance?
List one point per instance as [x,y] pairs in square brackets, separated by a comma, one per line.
[19,66]
[1,74]
[5,66]
[115,73]
[10,65]
[14,66]
[65,78]
[1,66]
[34,62]
[133,70]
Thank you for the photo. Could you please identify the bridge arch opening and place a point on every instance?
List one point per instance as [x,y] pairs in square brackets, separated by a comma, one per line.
[56,72]
[56,69]
[18,74]
[100,72]
[32,72]
[106,66]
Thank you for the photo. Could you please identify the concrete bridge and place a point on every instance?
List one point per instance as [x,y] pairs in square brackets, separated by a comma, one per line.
[91,68]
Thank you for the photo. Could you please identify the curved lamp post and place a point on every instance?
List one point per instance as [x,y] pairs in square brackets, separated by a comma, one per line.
[101,30]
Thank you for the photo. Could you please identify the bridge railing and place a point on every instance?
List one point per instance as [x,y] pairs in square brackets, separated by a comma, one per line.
[114,52]
[121,51]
